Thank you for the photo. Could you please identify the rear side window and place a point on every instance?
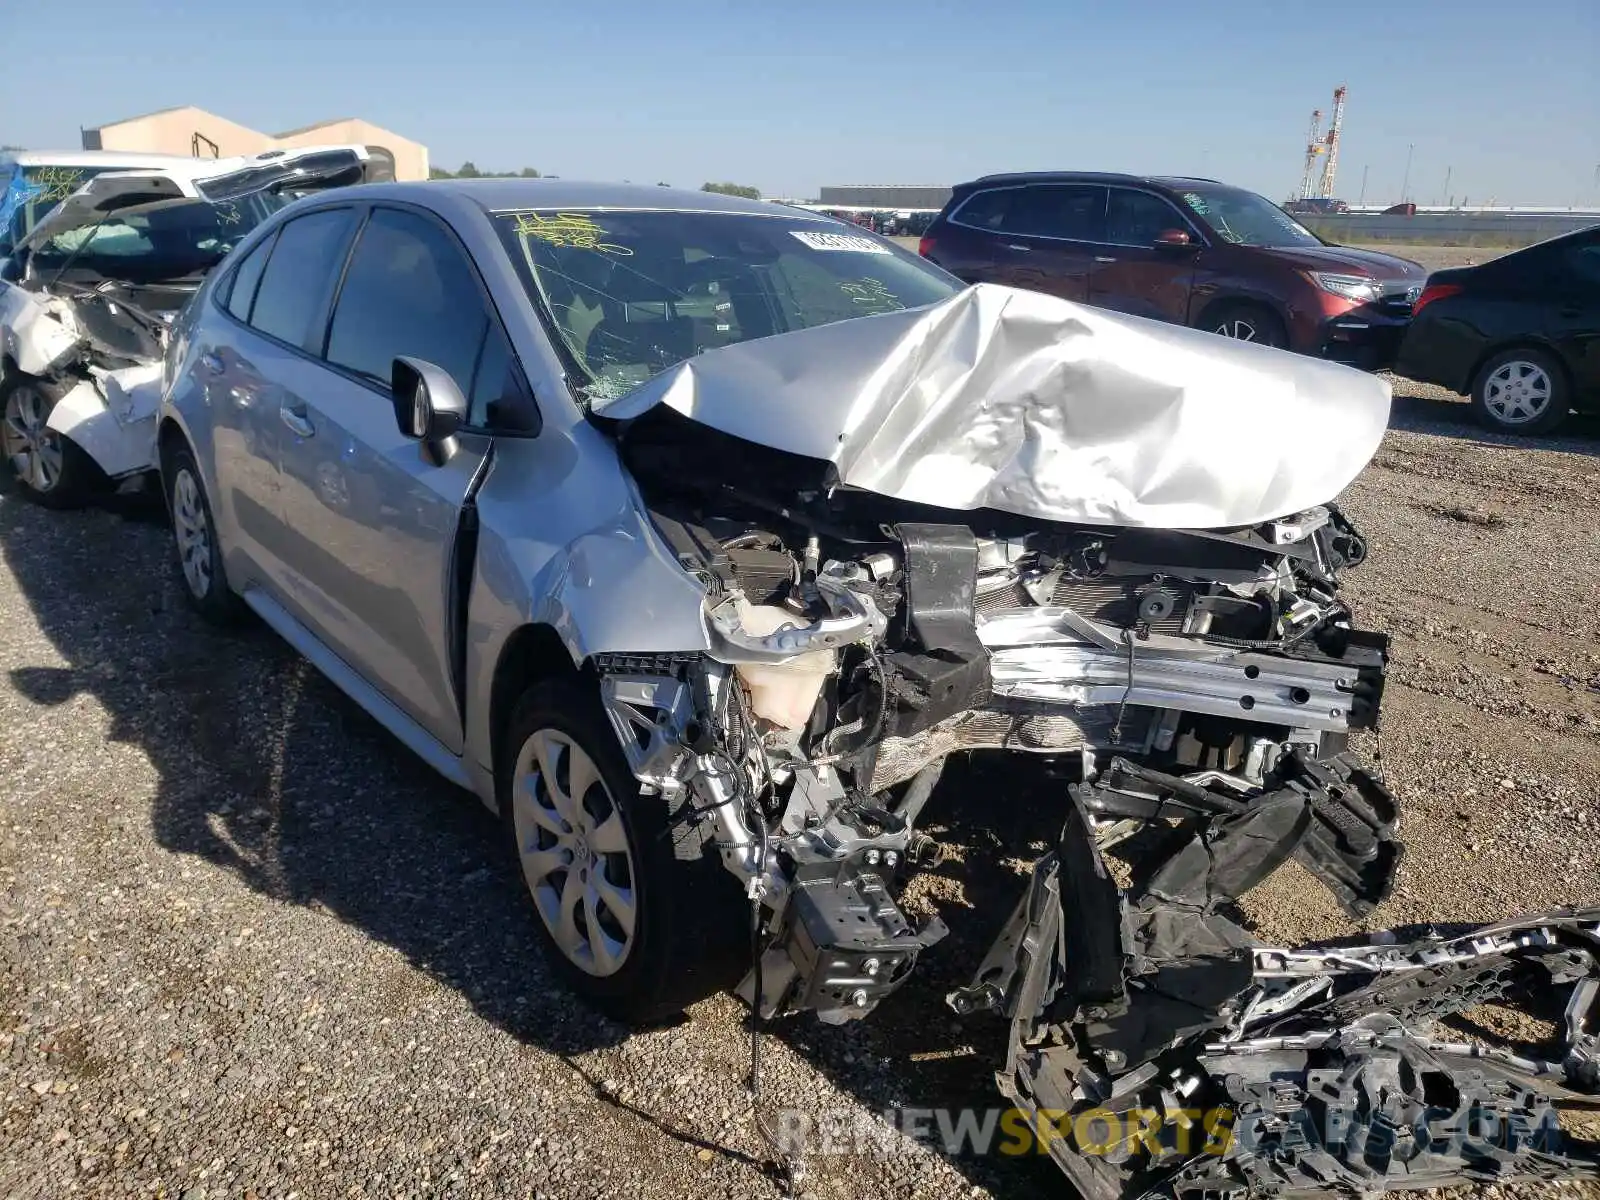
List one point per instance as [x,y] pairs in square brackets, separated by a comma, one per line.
[293,292]
[243,285]
[1075,212]
[409,291]
[986,210]
[1582,262]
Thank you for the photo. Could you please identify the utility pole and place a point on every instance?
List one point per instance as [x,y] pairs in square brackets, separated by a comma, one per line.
[1447,172]
[1405,184]
[1362,199]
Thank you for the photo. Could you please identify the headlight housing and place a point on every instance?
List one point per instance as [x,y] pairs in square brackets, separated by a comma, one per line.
[1352,287]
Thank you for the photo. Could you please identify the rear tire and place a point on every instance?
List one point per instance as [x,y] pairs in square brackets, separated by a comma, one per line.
[631,925]
[1521,391]
[194,537]
[1244,322]
[51,470]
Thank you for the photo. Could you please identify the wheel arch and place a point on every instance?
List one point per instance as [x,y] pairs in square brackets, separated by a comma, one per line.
[1242,300]
[532,652]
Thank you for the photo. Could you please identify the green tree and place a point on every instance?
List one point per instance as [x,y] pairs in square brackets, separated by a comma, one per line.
[439,173]
[469,171]
[530,172]
[732,189]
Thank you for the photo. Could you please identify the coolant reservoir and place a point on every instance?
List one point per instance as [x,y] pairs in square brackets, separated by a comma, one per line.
[783,693]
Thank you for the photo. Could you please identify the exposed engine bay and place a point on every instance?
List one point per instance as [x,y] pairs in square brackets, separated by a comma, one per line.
[1201,685]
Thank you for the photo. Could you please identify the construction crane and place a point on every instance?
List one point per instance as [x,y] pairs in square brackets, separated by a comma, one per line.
[1330,162]
[1313,151]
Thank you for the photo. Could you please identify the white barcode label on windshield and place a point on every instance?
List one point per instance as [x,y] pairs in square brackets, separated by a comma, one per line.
[840,241]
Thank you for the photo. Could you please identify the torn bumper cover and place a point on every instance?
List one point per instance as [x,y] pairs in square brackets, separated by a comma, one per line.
[1162,1052]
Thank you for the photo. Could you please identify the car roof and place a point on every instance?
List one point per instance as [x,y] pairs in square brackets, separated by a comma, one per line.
[514,195]
[1022,177]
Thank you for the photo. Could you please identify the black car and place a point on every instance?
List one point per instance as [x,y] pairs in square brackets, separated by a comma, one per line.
[1521,334]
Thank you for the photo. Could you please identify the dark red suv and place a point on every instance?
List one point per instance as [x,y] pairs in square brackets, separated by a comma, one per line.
[1190,251]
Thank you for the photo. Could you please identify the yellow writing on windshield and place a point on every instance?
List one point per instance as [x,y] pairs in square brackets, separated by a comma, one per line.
[55,183]
[567,229]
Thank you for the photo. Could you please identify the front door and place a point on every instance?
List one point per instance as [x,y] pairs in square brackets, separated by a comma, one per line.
[375,521]
[1131,273]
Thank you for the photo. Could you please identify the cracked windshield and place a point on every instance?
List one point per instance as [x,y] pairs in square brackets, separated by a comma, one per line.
[633,293]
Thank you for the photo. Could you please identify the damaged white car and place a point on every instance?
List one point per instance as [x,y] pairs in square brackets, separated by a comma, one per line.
[695,535]
[98,251]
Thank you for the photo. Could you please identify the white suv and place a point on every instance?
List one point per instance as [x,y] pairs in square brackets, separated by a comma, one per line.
[98,251]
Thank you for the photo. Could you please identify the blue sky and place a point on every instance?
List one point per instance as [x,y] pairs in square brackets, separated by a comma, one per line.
[1505,97]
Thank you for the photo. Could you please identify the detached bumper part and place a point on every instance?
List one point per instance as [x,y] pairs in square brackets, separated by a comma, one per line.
[1175,1057]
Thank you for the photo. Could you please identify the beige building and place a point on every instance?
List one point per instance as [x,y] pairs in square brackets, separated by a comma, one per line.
[191,130]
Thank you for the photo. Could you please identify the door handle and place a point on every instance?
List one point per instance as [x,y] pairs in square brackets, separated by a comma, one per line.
[1014,246]
[212,363]
[298,423]
[1103,258]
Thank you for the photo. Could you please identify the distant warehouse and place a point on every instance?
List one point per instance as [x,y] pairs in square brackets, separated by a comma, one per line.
[885,195]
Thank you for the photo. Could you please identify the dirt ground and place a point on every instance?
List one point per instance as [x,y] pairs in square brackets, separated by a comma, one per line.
[250,948]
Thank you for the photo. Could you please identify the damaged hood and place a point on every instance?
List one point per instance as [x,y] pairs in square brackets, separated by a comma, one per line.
[1012,400]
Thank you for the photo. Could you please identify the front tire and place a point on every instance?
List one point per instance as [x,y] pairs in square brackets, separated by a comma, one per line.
[194,537]
[1247,323]
[51,470]
[637,930]
[1521,391]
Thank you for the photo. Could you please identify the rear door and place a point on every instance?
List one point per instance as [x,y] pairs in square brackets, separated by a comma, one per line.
[1131,274]
[1576,320]
[374,521]
[1041,235]
[255,367]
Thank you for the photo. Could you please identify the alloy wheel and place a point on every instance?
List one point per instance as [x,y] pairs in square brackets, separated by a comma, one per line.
[193,533]
[33,449]
[1517,392]
[1238,329]
[575,855]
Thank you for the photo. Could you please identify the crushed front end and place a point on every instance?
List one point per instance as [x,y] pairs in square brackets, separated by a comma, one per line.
[1192,690]
[856,642]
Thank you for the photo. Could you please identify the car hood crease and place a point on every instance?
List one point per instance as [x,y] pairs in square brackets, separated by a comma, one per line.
[1012,400]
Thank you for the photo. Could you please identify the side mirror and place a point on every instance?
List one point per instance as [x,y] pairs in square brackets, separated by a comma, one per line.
[1173,239]
[428,406]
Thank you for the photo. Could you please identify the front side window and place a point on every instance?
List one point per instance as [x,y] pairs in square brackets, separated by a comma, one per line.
[1138,218]
[630,293]
[1244,218]
[408,291]
[294,286]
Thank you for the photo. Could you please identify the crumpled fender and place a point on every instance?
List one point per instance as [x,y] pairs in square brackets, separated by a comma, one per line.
[36,332]
[112,418]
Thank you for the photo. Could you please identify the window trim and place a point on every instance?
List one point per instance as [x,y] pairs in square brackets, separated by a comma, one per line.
[1183,218]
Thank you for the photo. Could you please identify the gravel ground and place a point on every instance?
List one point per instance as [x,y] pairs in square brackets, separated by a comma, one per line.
[250,948]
